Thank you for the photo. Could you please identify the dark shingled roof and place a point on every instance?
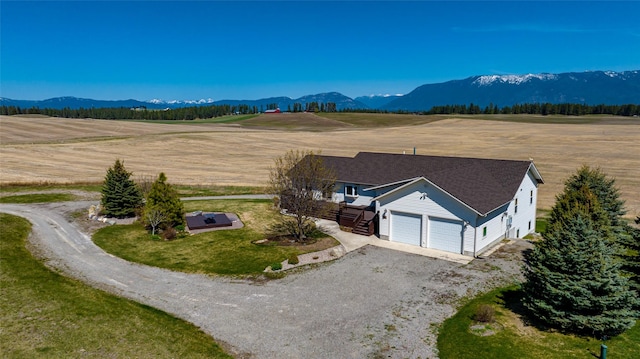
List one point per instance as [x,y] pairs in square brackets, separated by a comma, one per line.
[482,184]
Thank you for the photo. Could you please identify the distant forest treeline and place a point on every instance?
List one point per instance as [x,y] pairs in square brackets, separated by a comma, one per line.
[203,112]
[569,109]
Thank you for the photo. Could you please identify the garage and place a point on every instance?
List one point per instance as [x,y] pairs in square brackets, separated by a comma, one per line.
[445,235]
[406,228]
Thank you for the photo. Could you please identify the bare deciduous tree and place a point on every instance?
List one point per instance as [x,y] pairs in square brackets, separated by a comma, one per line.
[299,179]
[154,217]
[144,183]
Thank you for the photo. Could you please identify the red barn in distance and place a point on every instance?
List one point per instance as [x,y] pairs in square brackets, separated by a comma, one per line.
[277,110]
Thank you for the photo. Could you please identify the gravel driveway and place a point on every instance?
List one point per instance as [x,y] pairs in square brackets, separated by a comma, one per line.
[371,303]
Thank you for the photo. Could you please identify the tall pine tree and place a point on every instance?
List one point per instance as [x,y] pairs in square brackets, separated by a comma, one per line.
[164,198]
[120,194]
[632,257]
[604,188]
[573,276]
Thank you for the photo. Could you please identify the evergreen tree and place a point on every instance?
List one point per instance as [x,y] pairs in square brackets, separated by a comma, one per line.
[604,189]
[632,258]
[608,195]
[120,194]
[164,198]
[573,277]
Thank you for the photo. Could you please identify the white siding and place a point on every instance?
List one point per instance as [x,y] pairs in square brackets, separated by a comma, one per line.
[427,200]
[526,207]
[363,197]
[496,225]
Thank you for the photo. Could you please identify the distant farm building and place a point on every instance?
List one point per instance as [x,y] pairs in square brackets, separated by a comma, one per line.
[277,110]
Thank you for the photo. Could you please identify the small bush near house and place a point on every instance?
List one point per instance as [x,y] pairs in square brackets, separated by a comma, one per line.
[169,234]
[484,314]
[276,266]
[293,259]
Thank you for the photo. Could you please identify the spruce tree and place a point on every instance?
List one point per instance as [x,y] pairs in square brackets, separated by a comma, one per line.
[604,188]
[164,198]
[120,194]
[632,258]
[573,276]
[623,234]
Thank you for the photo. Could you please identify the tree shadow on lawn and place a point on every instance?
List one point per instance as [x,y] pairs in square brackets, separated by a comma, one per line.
[512,299]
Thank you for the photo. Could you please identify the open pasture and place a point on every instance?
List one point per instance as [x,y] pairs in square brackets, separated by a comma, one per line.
[66,150]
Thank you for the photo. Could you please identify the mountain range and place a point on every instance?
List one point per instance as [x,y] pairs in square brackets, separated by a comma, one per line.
[590,88]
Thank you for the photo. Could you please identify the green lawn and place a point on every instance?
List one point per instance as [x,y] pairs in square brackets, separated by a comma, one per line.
[183,190]
[226,252]
[38,198]
[214,190]
[46,186]
[46,315]
[517,340]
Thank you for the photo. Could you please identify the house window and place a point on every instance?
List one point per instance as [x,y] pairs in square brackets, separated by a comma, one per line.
[484,231]
[518,233]
[515,209]
[351,191]
[529,225]
[531,197]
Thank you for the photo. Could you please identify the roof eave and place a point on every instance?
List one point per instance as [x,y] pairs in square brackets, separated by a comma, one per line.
[434,185]
[536,173]
[391,184]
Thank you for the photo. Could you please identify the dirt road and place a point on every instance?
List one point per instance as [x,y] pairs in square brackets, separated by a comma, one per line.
[372,302]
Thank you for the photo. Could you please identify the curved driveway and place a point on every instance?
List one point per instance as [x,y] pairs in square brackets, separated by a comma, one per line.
[372,302]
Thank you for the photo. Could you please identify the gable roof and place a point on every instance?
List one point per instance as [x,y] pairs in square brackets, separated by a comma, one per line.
[481,184]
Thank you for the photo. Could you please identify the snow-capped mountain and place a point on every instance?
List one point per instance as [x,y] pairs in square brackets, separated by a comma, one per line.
[590,88]
[488,80]
[182,102]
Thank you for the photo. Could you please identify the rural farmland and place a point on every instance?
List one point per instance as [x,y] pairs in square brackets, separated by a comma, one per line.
[42,149]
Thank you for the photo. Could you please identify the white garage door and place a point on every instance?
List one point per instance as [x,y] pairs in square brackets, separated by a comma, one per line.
[406,228]
[445,235]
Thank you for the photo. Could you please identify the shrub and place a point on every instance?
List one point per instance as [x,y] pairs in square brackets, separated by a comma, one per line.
[180,228]
[293,259]
[276,266]
[155,237]
[484,314]
[169,234]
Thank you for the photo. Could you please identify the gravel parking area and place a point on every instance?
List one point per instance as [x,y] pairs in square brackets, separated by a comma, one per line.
[371,303]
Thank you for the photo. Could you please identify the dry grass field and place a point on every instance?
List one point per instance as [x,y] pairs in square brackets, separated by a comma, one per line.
[68,150]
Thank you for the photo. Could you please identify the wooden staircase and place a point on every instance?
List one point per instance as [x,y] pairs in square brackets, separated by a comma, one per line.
[364,228]
[360,218]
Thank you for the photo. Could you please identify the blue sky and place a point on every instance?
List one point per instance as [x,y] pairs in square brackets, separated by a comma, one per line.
[248,50]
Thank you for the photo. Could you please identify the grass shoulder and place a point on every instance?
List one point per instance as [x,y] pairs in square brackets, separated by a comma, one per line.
[38,198]
[217,190]
[46,315]
[49,186]
[222,252]
[512,337]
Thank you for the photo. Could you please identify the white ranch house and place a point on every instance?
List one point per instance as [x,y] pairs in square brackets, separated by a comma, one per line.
[453,204]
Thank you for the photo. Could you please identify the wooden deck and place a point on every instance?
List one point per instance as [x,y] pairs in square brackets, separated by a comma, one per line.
[362,219]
